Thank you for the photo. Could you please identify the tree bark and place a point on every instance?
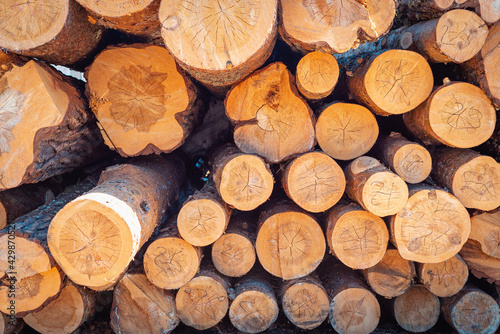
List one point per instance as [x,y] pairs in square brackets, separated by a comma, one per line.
[417,310]
[10,325]
[485,229]
[314,181]
[481,264]
[95,236]
[317,74]
[271,118]
[36,145]
[444,279]
[137,91]
[59,33]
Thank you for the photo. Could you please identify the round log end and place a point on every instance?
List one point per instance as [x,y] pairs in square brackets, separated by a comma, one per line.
[305,305]
[253,311]
[444,279]
[317,74]
[233,254]
[417,310]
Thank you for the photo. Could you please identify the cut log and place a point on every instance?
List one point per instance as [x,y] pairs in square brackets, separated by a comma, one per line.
[317,74]
[444,279]
[133,17]
[137,91]
[233,254]
[482,68]
[375,187]
[94,237]
[219,43]
[66,313]
[480,264]
[472,311]
[485,229]
[10,325]
[314,181]
[417,310]
[389,82]
[290,244]
[59,33]
[305,302]
[204,301]
[171,262]
[473,178]
[244,181]
[346,131]
[432,227]
[203,217]
[356,237]
[32,271]
[19,201]
[457,114]
[334,26]
[36,145]
[254,308]
[353,308]
[141,307]
[411,161]
[392,276]
[271,119]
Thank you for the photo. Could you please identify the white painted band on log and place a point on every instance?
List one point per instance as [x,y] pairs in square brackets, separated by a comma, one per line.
[123,210]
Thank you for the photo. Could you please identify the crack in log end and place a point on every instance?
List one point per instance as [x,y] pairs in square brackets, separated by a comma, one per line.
[306,305]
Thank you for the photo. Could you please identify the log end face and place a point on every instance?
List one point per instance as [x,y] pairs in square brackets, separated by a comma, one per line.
[445,279]
[3,216]
[476,312]
[253,311]
[233,255]
[413,163]
[417,310]
[305,305]
[317,74]
[384,194]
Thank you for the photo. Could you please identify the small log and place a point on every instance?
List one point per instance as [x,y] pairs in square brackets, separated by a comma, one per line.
[317,74]
[480,264]
[204,301]
[170,261]
[472,311]
[457,114]
[141,307]
[411,161]
[356,237]
[94,237]
[482,68]
[432,227]
[32,272]
[375,187]
[353,308]
[137,91]
[36,145]
[334,26]
[10,325]
[222,43]
[132,17]
[473,178]
[290,244]
[244,181]
[417,310]
[233,254]
[254,308]
[444,279]
[389,82]
[59,33]
[305,302]
[346,131]
[314,181]
[271,118]
[485,229]
[392,276]
[203,217]
[74,306]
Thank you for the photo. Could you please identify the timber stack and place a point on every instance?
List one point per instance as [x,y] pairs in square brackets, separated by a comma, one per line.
[249,166]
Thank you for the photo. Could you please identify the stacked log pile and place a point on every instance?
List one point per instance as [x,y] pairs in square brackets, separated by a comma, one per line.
[249,166]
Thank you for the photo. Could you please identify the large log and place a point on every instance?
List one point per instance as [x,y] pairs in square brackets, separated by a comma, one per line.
[432,226]
[314,181]
[317,74]
[346,131]
[473,178]
[457,114]
[141,307]
[481,265]
[59,32]
[444,279]
[219,43]
[290,243]
[95,236]
[36,145]
[485,229]
[271,119]
[334,26]
[137,91]
[32,272]
[356,237]
[417,310]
